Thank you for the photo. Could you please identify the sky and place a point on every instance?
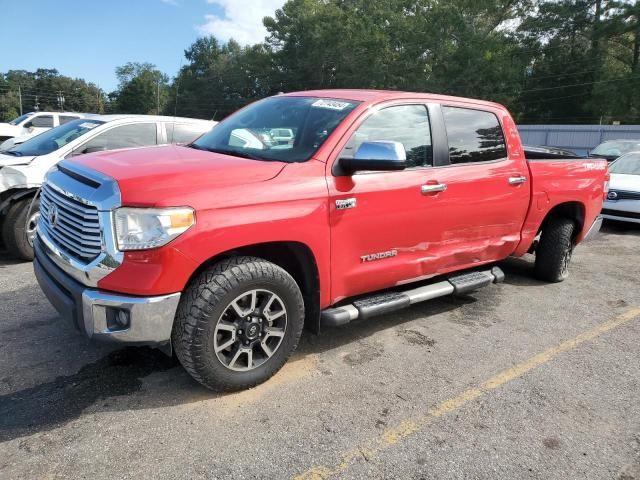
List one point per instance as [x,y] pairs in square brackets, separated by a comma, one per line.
[90,38]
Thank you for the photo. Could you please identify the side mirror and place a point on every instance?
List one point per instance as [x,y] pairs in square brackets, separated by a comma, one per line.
[377,156]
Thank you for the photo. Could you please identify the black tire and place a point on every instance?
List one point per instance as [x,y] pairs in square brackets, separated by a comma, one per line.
[554,251]
[15,233]
[208,298]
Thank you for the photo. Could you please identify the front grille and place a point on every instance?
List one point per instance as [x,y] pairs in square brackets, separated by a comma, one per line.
[620,213]
[623,195]
[73,226]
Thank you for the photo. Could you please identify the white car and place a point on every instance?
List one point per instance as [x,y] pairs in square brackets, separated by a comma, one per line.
[31,124]
[23,167]
[623,199]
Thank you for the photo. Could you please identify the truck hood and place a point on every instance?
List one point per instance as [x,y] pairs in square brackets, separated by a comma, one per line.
[629,183]
[162,176]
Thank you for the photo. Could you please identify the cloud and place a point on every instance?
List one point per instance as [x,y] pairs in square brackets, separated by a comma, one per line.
[242,20]
[173,3]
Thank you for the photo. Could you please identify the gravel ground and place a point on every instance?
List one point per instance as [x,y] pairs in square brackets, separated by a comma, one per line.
[519,380]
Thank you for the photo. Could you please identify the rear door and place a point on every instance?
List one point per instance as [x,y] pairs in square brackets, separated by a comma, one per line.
[486,192]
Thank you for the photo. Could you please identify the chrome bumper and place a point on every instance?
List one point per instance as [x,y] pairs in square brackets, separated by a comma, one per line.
[150,319]
[595,228]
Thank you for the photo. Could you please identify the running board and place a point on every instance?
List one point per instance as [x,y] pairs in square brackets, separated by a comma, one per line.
[382,303]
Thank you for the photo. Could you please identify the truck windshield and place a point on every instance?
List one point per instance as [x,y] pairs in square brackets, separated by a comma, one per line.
[53,139]
[282,128]
[627,165]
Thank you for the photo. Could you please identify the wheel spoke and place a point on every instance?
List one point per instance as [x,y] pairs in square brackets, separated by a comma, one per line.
[265,348]
[254,300]
[235,357]
[226,344]
[273,316]
[267,305]
[236,308]
[227,327]
[273,332]
[249,358]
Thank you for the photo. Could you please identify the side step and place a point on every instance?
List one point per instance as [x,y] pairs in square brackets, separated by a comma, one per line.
[379,304]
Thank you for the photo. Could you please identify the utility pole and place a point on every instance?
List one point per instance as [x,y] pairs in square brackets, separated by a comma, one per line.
[61,100]
[158,97]
[20,98]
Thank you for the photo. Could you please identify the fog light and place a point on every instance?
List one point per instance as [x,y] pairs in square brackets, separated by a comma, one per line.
[118,319]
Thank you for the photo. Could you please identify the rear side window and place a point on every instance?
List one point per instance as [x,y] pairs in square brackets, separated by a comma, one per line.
[125,136]
[182,134]
[407,124]
[474,135]
[42,121]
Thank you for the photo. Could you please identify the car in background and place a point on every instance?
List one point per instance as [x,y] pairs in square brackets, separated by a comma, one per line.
[623,199]
[612,149]
[31,124]
[23,167]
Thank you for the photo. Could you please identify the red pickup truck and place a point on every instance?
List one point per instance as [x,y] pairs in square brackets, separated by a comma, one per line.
[311,208]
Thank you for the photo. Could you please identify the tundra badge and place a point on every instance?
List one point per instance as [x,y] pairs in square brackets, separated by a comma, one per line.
[378,256]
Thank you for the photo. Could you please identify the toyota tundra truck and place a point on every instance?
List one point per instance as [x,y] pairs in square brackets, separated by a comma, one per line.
[222,251]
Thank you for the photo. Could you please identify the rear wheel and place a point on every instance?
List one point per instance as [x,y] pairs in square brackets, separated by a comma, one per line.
[18,230]
[555,249]
[238,323]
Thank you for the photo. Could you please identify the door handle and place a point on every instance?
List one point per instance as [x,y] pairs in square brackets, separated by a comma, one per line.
[517,180]
[433,188]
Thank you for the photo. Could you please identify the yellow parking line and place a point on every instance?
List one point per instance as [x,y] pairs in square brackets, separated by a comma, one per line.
[392,436]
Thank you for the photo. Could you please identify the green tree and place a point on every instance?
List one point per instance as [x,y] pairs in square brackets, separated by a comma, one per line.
[142,89]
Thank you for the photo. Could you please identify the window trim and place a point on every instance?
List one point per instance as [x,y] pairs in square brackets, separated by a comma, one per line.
[486,162]
[372,110]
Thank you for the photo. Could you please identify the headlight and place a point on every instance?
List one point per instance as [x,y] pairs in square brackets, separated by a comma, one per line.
[142,228]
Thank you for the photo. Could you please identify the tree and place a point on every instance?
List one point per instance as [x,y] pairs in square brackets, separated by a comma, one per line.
[142,89]
[44,89]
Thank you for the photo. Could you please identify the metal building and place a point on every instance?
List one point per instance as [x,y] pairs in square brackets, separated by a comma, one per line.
[579,138]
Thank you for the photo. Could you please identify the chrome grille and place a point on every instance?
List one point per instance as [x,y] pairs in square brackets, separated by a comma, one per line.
[72,225]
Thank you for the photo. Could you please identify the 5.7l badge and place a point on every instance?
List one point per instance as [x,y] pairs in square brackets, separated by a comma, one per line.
[345,203]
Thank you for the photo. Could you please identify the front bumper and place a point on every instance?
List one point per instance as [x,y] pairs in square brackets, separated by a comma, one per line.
[150,319]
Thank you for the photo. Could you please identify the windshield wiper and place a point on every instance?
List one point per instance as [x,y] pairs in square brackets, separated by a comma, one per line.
[11,152]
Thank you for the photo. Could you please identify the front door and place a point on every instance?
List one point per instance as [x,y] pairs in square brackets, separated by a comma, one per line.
[379,219]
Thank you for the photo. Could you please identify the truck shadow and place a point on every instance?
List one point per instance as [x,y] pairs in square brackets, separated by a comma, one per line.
[6,259]
[118,380]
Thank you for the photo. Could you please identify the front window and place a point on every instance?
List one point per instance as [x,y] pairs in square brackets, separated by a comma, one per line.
[282,128]
[615,149]
[627,165]
[53,139]
[20,119]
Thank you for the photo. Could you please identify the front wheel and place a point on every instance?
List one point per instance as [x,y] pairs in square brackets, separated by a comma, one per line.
[238,322]
[19,228]
[555,249]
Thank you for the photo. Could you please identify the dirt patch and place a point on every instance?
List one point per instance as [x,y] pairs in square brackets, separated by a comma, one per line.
[366,352]
[414,337]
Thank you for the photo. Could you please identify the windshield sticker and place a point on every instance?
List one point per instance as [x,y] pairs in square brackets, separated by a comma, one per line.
[88,125]
[330,104]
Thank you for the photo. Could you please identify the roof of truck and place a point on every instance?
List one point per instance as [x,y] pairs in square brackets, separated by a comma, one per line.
[375,96]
